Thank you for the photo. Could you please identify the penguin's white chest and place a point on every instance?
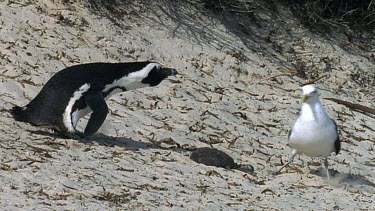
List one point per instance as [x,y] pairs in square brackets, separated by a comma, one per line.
[72,121]
[78,114]
[132,81]
[70,118]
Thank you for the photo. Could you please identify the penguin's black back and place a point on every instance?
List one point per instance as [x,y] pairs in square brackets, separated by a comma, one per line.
[49,105]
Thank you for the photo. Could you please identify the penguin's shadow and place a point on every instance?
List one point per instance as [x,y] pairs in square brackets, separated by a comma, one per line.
[348,180]
[101,139]
[124,142]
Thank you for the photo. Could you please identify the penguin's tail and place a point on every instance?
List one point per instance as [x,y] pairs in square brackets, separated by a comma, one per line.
[19,114]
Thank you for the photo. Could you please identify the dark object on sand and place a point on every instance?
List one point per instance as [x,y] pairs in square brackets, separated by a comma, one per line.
[213,157]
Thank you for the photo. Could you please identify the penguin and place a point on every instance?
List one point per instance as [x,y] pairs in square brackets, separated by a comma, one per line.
[75,91]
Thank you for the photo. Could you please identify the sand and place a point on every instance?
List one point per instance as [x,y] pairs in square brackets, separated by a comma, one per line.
[223,96]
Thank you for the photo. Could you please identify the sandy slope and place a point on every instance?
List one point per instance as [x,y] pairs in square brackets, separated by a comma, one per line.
[141,159]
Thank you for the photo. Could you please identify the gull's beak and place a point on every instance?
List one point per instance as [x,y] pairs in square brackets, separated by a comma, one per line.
[304,98]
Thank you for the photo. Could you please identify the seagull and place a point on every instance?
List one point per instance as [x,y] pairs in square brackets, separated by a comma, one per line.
[314,134]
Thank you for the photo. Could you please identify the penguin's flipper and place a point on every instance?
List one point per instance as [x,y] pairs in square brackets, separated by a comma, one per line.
[96,102]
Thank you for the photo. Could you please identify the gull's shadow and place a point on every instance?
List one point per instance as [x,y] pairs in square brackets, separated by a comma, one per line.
[101,139]
[348,180]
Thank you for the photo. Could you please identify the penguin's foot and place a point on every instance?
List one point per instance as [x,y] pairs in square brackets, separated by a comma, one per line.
[77,135]
[82,137]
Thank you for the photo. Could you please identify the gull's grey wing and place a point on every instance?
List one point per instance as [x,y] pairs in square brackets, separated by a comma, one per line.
[337,142]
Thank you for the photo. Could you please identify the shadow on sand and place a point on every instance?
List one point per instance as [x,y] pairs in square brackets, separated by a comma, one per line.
[347,180]
[101,139]
[185,21]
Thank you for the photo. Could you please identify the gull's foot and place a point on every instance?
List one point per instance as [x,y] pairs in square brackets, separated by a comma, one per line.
[276,172]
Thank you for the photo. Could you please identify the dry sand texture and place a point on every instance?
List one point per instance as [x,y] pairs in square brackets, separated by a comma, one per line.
[224,94]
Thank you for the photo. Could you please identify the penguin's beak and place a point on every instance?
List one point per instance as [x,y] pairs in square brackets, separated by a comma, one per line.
[166,72]
[304,98]
[171,71]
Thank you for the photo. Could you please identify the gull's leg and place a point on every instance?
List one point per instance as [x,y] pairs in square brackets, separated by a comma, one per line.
[326,166]
[291,158]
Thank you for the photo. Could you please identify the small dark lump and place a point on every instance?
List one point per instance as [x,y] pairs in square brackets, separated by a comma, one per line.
[213,157]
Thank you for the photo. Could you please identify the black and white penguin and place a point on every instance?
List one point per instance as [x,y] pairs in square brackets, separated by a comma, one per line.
[78,90]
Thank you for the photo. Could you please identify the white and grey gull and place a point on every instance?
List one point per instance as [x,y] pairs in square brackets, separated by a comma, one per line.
[314,133]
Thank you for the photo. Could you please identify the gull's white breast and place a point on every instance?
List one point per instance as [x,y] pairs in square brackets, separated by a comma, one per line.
[313,138]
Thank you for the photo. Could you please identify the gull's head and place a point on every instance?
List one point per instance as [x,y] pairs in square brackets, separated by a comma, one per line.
[309,93]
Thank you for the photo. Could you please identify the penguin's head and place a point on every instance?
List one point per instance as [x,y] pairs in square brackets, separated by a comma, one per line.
[157,74]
